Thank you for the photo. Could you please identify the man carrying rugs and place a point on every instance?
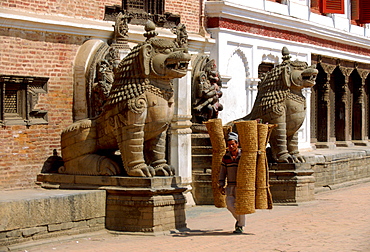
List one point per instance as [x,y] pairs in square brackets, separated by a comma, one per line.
[229,168]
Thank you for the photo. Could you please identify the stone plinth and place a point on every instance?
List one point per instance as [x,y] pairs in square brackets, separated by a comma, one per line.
[133,204]
[291,183]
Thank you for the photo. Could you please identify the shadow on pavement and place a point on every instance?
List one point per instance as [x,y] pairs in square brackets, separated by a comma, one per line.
[215,232]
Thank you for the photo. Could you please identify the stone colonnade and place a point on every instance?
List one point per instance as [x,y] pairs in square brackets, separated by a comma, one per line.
[340,103]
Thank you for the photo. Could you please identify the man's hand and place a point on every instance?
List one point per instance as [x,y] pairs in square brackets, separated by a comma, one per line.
[222,190]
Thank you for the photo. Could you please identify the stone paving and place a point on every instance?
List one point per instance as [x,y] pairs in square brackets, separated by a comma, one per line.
[337,220]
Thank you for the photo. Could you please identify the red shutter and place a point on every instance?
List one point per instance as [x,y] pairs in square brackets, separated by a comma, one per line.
[332,6]
[364,11]
[355,9]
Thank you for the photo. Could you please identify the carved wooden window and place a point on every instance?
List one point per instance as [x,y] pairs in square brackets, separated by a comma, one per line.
[360,11]
[332,6]
[148,6]
[18,98]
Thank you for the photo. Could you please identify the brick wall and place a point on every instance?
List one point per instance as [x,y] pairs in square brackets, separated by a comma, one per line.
[189,10]
[23,149]
[75,8]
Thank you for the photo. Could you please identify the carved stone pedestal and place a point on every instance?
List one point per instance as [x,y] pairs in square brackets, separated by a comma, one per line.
[291,183]
[133,204]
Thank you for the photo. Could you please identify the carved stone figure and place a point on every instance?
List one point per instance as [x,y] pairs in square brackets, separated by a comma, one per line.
[182,35]
[280,101]
[101,89]
[121,30]
[206,85]
[135,116]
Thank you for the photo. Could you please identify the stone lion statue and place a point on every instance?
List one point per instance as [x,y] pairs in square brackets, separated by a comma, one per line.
[280,101]
[134,118]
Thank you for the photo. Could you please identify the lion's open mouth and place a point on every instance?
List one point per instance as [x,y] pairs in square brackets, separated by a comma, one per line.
[309,75]
[181,65]
[309,78]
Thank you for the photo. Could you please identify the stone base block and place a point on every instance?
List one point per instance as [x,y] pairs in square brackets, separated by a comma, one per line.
[292,183]
[133,204]
[145,213]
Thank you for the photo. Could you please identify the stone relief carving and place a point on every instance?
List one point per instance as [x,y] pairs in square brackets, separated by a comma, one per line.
[206,89]
[135,115]
[280,101]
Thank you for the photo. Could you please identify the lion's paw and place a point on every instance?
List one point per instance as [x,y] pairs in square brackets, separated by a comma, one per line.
[164,170]
[141,170]
[298,158]
[285,158]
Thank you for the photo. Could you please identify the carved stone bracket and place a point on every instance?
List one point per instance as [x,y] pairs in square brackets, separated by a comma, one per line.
[363,74]
[328,69]
[346,71]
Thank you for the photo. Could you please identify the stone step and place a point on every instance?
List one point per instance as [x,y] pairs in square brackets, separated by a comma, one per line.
[201,150]
[39,213]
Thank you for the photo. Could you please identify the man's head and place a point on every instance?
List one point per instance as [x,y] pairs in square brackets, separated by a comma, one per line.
[232,142]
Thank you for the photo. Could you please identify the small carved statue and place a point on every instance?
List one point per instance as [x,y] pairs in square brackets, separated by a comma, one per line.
[280,101]
[121,28]
[206,90]
[101,89]
[135,115]
[182,35]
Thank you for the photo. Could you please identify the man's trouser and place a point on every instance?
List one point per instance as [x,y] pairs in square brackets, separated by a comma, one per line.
[230,203]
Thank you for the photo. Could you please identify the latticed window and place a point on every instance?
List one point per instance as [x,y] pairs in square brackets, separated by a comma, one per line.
[11,101]
[148,6]
[18,98]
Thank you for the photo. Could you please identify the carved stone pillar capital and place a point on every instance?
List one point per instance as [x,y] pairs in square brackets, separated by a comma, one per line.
[328,68]
[346,71]
[363,74]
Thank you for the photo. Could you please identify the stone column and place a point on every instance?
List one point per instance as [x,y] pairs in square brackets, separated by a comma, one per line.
[345,113]
[325,124]
[179,155]
[360,137]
